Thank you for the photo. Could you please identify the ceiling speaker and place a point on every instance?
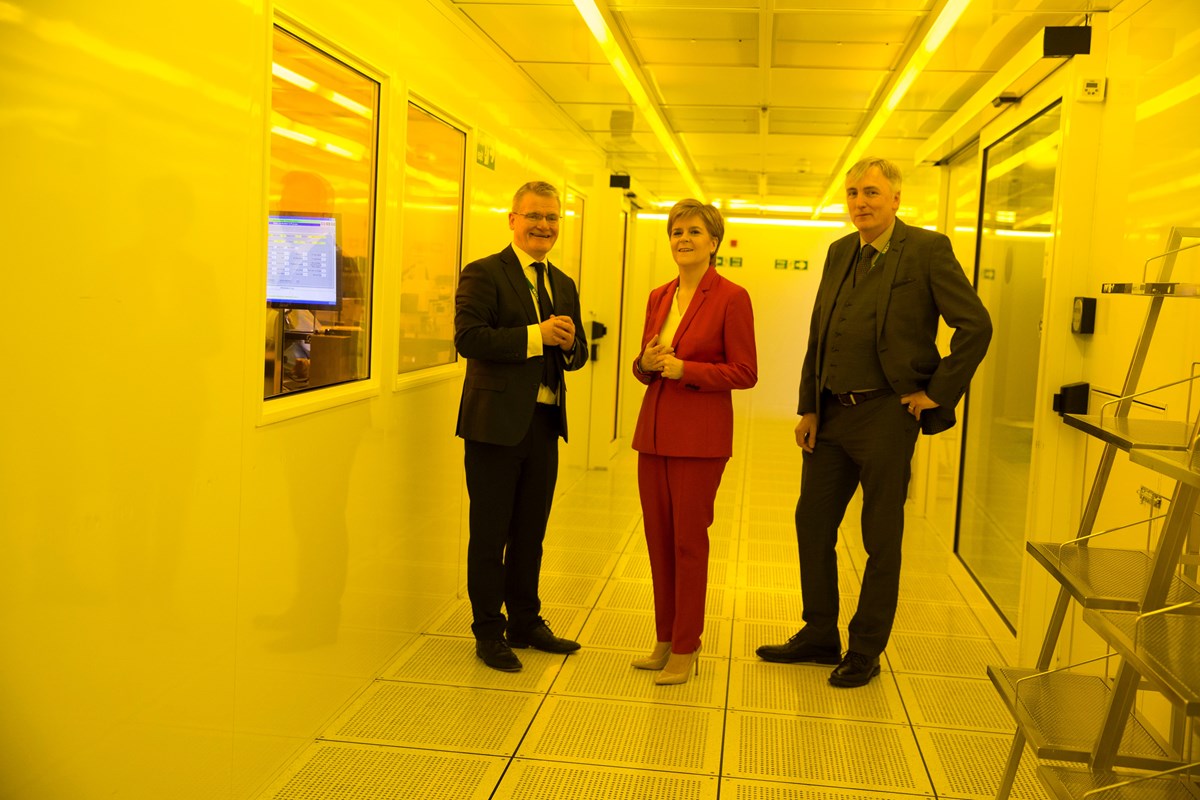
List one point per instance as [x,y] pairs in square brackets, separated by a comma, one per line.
[1063,41]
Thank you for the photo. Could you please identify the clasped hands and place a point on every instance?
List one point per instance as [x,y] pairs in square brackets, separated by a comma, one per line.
[558,330]
[661,358]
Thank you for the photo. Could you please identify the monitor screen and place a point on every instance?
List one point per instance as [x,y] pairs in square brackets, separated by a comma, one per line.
[302,260]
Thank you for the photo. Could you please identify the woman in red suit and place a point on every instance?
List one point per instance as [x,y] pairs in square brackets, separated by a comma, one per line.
[697,346]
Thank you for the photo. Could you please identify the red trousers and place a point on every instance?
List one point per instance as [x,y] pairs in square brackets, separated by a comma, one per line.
[677,509]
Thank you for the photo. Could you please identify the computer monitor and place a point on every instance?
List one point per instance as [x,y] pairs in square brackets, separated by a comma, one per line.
[302,260]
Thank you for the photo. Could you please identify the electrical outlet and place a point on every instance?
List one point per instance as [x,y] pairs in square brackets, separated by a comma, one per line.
[1149,497]
[1092,90]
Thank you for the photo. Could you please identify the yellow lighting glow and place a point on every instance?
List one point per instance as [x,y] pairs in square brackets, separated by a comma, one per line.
[951,11]
[637,92]
[346,102]
[787,223]
[296,78]
[289,134]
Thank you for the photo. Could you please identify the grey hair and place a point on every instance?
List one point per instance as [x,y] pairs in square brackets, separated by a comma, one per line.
[889,170]
[540,188]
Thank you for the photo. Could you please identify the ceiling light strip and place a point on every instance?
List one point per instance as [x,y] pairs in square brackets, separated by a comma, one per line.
[637,91]
[917,62]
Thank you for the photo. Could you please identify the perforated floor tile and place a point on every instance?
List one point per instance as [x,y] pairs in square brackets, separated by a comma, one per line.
[633,632]
[447,661]
[947,619]
[965,765]
[804,689]
[636,566]
[608,673]
[769,532]
[639,596]
[826,752]
[776,605]
[786,577]
[734,789]
[569,590]
[941,655]
[939,702]
[332,770]
[929,588]
[538,780]
[637,735]
[564,620]
[437,718]
[590,563]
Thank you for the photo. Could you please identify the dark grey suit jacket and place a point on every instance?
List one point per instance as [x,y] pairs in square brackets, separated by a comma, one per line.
[921,281]
[493,311]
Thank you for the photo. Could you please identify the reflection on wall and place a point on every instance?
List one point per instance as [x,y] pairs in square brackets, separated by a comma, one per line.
[433,203]
[323,121]
[1017,215]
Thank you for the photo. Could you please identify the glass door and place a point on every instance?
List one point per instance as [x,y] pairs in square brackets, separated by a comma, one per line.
[1016,234]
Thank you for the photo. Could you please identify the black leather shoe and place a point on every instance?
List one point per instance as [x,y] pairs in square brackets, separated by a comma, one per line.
[855,670]
[800,650]
[540,637]
[497,655]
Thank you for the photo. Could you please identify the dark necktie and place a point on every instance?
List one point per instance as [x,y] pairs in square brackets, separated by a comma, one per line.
[545,311]
[864,263]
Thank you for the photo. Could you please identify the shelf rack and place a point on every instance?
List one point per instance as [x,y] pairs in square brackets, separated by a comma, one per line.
[1138,601]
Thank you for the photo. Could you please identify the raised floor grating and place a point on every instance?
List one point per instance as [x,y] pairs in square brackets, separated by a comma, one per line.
[608,673]
[536,780]
[572,561]
[827,752]
[951,702]
[564,620]
[337,771]
[946,619]
[966,765]
[637,735]
[804,689]
[639,596]
[438,718]
[942,655]
[448,661]
[734,789]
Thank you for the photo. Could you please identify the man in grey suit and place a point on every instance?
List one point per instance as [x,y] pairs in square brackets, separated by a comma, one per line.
[517,323]
[872,379]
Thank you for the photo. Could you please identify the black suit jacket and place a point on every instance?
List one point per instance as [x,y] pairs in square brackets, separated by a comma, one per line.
[921,281]
[493,311]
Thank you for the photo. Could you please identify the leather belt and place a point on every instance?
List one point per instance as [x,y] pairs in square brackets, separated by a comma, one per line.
[854,398]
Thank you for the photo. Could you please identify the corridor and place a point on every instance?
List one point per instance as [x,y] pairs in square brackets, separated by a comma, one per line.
[437,724]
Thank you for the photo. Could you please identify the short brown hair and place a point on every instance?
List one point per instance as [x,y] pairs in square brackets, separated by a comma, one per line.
[535,187]
[889,170]
[714,223]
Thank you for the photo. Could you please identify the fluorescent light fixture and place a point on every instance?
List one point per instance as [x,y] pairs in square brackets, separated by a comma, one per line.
[641,98]
[339,151]
[1024,234]
[787,223]
[290,134]
[917,62]
[1006,216]
[352,105]
[293,77]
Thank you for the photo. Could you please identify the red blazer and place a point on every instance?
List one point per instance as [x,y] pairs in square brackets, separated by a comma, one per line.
[693,417]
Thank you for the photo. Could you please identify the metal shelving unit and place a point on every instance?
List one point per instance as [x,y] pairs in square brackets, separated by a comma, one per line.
[1138,601]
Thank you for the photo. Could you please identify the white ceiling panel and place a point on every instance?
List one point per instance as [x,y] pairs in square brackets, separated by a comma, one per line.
[763,96]
[825,88]
[537,33]
[723,52]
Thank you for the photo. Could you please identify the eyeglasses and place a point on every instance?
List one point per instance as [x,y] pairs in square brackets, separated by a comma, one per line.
[535,217]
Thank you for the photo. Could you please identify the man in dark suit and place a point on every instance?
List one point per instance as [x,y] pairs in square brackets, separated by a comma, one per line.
[517,323]
[872,379]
